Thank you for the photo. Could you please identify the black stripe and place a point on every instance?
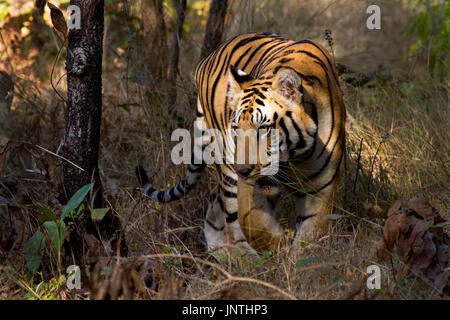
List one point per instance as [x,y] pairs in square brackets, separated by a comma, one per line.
[238,61]
[254,52]
[260,94]
[275,117]
[231,217]
[259,102]
[301,142]
[230,179]
[326,57]
[199,114]
[303,194]
[172,193]
[332,117]
[213,91]
[229,194]
[286,132]
[301,219]
[286,60]
[265,61]
[328,158]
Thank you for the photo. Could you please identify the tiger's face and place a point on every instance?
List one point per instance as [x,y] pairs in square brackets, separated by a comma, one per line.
[261,106]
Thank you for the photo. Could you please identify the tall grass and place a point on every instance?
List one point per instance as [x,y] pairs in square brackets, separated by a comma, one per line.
[397,145]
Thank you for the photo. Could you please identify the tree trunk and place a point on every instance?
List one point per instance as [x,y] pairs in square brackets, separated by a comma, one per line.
[82,133]
[38,10]
[214,27]
[38,23]
[180,8]
[84,104]
[156,51]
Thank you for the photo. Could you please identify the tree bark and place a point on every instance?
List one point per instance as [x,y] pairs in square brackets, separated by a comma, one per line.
[214,27]
[180,8]
[84,104]
[156,51]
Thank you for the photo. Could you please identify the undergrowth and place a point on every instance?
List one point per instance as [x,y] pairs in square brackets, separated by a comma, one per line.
[397,145]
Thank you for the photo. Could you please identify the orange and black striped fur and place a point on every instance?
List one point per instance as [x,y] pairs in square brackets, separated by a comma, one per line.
[255,81]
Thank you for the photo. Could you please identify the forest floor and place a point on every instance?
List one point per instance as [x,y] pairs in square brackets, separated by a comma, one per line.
[397,146]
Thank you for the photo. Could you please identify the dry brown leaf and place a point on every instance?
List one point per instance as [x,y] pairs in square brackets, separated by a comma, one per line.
[421,206]
[418,229]
[415,229]
[393,227]
[58,20]
[443,254]
[382,253]
[441,281]
[374,211]
[122,280]
[396,207]
[424,258]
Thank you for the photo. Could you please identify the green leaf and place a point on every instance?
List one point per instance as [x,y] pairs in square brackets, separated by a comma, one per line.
[4,10]
[76,199]
[167,250]
[98,214]
[56,233]
[76,214]
[303,262]
[46,213]
[105,271]
[34,252]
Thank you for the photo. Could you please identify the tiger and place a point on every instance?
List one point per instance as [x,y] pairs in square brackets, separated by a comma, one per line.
[263,81]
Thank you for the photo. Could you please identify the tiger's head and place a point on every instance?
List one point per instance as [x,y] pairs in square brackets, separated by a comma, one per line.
[262,105]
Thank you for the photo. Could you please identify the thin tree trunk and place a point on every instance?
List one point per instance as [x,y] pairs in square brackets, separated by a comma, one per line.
[180,8]
[84,104]
[156,51]
[82,133]
[214,27]
[38,10]
[37,23]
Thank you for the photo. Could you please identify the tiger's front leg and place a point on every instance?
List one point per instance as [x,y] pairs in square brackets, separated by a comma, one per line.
[257,216]
[236,237]
[215,225]
[224,209]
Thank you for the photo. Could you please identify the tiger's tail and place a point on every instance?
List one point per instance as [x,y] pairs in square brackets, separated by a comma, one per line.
[179,190]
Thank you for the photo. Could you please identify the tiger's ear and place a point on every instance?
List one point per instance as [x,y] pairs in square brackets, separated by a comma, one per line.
[288,85]
[238,79]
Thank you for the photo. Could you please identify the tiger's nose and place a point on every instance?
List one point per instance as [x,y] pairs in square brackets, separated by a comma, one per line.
[243,170]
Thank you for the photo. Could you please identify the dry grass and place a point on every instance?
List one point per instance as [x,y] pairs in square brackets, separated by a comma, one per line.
[397,134]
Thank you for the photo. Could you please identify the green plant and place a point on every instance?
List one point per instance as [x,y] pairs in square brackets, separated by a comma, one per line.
[431,24]
[52,229]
